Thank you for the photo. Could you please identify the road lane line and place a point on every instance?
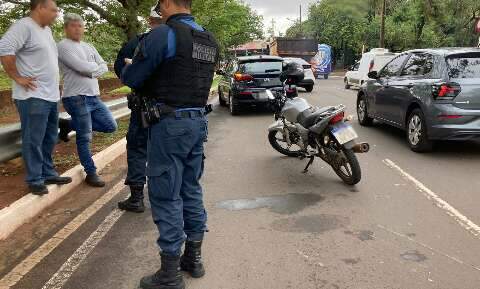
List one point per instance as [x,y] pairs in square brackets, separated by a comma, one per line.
[71,265]
[14,276]
[454,259]
[461,219]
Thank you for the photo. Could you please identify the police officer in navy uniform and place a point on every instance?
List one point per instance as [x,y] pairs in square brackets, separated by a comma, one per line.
[137,135]
[174,71]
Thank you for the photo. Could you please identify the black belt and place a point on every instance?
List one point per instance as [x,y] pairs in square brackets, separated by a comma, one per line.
[186,114]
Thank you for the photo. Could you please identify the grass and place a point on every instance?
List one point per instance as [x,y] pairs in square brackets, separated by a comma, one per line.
[5,81]
[216,81]
[108,75]
[68,157]
[121,90]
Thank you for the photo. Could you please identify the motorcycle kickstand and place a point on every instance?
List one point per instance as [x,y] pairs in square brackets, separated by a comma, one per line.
[310,162]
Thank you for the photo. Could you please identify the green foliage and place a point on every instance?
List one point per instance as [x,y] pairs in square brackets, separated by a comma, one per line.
[350,25]
[111,22]
[232,22]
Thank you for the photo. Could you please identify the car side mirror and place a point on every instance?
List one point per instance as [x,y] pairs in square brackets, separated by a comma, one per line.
[373,75]
[220,72]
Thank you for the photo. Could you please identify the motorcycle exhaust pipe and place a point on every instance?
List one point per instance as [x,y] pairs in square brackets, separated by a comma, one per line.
[361,148]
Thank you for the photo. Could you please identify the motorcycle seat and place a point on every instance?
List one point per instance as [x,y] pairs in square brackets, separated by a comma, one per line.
[310,117]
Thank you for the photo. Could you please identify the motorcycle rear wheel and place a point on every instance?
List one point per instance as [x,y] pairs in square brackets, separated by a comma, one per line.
[348,167]
[275,143]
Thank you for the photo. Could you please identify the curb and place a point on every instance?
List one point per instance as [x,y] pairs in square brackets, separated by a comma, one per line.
[25,209]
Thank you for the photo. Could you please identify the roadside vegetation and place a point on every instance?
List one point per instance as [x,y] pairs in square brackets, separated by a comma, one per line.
[351,25]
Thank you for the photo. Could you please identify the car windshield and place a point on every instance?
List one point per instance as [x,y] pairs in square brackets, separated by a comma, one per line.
[265,67]
[464,65]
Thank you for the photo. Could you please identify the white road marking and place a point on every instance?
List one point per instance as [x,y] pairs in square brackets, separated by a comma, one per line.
[439,202]
[14,276]
[71,265]
[428,247]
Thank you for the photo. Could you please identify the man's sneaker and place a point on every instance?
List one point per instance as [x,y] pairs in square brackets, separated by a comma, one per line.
[38,190]
[58,181]
[94,180]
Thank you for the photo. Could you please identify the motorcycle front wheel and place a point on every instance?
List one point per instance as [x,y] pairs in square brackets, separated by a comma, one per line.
[346,166]
[279,143]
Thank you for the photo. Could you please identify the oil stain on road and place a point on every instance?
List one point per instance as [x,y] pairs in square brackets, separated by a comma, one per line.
[282,204]
[315,224]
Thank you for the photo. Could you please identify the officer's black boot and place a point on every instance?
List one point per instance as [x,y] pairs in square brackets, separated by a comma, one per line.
[168,277]
[135,202]
[191,260]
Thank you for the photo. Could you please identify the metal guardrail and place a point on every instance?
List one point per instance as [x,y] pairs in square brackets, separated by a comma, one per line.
[11,140]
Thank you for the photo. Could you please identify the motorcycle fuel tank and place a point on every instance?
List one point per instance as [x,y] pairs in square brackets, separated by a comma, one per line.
[293,107]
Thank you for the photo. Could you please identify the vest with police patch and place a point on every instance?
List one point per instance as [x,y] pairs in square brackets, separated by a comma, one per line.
[185,80]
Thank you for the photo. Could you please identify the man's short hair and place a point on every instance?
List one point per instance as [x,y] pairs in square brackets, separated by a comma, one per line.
[184,3]
[72,17]
[35,3]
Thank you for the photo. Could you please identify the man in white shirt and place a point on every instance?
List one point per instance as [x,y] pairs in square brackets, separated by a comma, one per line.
[81,65]
[29,56]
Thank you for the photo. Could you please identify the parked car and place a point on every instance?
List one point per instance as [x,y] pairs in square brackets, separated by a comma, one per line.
[309,81]
[244,81]
[370,61]
[433,94]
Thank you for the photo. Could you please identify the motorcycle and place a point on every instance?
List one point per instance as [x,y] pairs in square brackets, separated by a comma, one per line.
[303,131]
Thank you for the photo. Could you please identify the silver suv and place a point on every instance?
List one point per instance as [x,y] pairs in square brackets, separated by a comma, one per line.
[433,94]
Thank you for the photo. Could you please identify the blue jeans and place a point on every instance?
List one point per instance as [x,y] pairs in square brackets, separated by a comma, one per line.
[88,114]
[175,166]
[137,138]
[39,122]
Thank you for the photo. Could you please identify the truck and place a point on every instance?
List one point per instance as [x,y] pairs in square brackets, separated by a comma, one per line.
[294,47]
[319,56]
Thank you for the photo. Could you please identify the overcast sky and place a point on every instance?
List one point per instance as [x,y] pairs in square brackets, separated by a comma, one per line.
[281,11]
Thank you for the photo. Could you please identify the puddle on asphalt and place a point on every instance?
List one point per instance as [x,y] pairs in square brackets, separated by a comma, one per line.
[363,235]
[316,224]
[351,261]
[414,256]
[282,204]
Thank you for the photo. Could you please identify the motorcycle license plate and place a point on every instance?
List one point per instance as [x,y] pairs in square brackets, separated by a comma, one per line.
[344,133]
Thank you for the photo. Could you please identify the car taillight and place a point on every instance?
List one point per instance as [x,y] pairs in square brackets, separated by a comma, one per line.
[370,67]
[446,91]
[243,77]
[245,93]
[338,118]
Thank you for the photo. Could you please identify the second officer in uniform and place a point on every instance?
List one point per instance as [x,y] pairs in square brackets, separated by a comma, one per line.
[173,73]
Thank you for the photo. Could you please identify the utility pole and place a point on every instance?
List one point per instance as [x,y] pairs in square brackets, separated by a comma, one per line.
[301,25]
[382,27]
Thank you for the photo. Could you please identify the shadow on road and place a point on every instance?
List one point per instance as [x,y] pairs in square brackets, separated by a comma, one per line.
[441,148]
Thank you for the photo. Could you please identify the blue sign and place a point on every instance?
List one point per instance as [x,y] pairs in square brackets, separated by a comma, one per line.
[323,59]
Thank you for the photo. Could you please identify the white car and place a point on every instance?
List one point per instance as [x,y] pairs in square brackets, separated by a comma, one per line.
[371,61]
[309,81]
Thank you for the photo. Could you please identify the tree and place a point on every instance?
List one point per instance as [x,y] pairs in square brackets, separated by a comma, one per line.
[111,22]
[350,25]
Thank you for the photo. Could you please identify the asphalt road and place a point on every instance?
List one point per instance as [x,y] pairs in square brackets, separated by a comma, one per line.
[412,223]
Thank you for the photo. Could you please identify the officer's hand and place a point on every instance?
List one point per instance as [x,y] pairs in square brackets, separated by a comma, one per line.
[128,61]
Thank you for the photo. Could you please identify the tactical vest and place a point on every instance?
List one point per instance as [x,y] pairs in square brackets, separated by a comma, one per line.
[185,80]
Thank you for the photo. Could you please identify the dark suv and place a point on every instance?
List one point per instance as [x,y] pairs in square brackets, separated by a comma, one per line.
[433,94]
[245,81]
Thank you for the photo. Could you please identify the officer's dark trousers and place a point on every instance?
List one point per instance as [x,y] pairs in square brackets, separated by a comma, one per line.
[175,166]
[137,138]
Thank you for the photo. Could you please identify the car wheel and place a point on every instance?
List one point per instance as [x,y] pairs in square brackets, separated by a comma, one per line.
[417,136]
[347,86]
[234,109]
[220,98]
[309,88]
[325,76]
[362,111]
